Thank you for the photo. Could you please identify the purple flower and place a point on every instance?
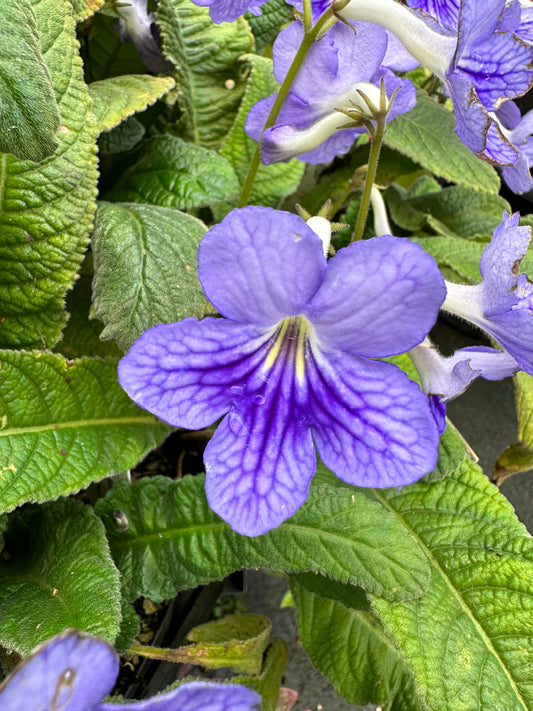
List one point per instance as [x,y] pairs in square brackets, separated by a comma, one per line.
[518,130]
[74,672]
[445,11]
[481,62]
[229,10]
[138,26]
[292,362]
[338,65]
[502,305]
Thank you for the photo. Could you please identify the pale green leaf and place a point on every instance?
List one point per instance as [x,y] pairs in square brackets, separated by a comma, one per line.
[46,209]
[172,173]
[145,269]
[267,683]
[468,641]
[29,115]
[348,644]
[65,424]
[171,528]
[116,98]
[209,68]
[426,134]
[519,457]
[83,9]
[56,572]
[272,182]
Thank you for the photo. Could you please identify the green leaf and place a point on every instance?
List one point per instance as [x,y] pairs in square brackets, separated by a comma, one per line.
[46,209]
[457,257]
[56,572]
[209,68]
[29,116]
[123,137]
[172,173]
[171,528]
[452,451]
[117,98]
[236,641]
[105,53]
[144,256]
[266,26]
[519,457]
[130,626]
[267,683]
[426,134]
[65,424]
[83,9]
[455,210]
[348,644]
[272,182]
[468,640]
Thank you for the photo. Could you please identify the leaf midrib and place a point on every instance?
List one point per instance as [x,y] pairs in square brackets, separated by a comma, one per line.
[75,424]
[455,594]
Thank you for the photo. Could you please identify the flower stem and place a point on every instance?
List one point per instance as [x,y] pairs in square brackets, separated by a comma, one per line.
[373,160]
[324,23]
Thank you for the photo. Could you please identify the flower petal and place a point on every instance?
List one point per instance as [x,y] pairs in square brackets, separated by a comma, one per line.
[71,672]
[195,696]
[260,265]
[188,373]
[379,297]
[372,425]
[261,459]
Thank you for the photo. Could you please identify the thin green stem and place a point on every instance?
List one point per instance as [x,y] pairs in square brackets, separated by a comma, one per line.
[373,161]
[324,23]
[308,16]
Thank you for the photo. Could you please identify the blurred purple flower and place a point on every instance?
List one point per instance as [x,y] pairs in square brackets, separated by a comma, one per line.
[338,65]
[292,362]
[137,25]
[74,672]
[502,305]
[518,129]
[482,62]
[229,10]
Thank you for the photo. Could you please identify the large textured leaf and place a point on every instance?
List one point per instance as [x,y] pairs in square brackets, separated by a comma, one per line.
[56,572]
[272,182]
[458,258]
[209,68]
[454,210]
[171,528]
[468,641]
[29,116]
[426,134]
[172,173]
[348,644]
[46,209]
[116,98]
[64,424]
[265,26]
[518,457]
[106,55]
[145,268]
[85,8]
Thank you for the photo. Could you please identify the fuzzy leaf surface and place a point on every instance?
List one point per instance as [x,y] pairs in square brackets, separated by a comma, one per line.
[58,574]
[171,528]
[209,69]
[65,424]
[83,9]
[172,173]
[468,640]
[272,182]
[46,208]
[116,98]
[518,457]
[348,645]
[145,269]
[426,134]
[29,116]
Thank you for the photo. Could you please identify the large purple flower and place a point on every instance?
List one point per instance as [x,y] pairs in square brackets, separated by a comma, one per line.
[502,304]
[229,10]
[339,65]
[292,362]
[74,672]
[482,62]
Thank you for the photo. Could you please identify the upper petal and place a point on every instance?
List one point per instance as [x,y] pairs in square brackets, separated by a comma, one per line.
[71,672]
[195,696]
[260,265]
[188,373]
[379,297]
[372,425]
